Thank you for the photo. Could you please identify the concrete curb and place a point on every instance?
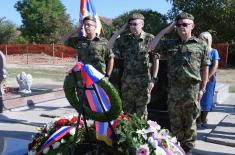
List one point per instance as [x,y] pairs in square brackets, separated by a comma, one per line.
[224,133]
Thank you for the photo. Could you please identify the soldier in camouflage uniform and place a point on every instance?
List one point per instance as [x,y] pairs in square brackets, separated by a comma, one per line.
[91,49]
[139,65]
[187,76]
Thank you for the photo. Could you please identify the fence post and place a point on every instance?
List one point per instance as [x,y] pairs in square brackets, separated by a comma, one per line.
[6,49]
[53,52]
[27,51]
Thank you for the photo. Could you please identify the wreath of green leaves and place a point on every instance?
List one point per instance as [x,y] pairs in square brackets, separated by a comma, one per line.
[71,95]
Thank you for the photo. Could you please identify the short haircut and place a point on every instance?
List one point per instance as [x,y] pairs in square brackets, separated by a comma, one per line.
[184,15]
[89,18]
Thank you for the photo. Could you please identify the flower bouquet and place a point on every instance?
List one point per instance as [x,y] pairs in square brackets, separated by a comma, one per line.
[58,136]
[142,137]
[134,136]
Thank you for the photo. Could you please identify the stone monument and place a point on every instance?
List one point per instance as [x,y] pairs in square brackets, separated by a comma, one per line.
[2,77]
[25,81]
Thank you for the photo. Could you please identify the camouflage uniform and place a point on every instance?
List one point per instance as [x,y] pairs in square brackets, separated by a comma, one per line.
[93,52]
[136,74]
[185,59]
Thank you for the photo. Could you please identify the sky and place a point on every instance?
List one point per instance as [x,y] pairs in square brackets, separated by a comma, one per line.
[107,8]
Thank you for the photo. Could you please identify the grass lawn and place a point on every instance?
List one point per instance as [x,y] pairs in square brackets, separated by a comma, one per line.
[55,75]
[232,89]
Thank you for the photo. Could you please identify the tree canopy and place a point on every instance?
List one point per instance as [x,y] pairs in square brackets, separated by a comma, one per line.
[8,31]
[43,21]
[216,16]
[154,21]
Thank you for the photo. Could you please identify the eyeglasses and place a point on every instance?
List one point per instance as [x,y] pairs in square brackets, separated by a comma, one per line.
[183,24]
[133,24]
[88,25]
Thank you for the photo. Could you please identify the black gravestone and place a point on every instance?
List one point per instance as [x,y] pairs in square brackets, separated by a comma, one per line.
[157,108]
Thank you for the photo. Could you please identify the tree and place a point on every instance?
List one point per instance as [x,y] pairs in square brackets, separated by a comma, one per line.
[216,16]
[8,31]
[154,21]
[43,21]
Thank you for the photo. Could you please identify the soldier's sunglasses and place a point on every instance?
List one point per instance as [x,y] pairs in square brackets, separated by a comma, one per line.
[183,24]
[133,24]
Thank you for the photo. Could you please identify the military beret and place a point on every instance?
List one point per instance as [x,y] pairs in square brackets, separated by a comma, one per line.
[89,18]
[136,16]
[184,15]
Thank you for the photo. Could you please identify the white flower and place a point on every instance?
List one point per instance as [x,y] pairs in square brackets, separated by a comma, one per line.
[89,123]
[50,126]
[159,151]
[143,150]
[70,117]
[45,150]
[164,132]
[63,141]
[143,132]
[72,131]
[56,145]
[32,152]
[153,142]
[173,140]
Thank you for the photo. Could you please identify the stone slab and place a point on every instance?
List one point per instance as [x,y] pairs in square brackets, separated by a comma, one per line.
[11,101]
[13,146]
[221,93]
[224,133]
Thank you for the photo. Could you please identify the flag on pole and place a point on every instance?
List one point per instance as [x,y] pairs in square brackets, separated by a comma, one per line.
[87,8]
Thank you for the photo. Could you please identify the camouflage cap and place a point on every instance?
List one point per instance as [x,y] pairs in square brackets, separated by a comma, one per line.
[89,18]
[184,15]
[136,16]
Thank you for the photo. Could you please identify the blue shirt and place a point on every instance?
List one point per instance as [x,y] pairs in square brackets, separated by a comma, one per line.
[213,55]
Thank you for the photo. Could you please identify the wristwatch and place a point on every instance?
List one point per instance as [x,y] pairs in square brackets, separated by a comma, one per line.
[107,75]
[203,90]
[154,79]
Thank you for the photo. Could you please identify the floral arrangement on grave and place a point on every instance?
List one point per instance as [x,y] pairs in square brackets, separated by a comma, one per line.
[99,132]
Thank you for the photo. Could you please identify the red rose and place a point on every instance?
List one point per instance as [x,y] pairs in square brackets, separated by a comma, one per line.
[73,120]
[62,122]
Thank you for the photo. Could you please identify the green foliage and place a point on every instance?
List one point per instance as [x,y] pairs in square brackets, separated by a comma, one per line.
[154,21]
[20,40]
[8,31]
[217,16]
[43,21]
[107,30]
[128,138]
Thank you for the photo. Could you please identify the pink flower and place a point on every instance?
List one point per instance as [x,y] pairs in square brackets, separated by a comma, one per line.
[153,125]
[143,150]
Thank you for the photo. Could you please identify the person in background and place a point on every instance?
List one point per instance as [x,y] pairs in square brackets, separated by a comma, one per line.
[207,98]
[91,49]
[2,78]
[139,65]
[186,57]
[116,75]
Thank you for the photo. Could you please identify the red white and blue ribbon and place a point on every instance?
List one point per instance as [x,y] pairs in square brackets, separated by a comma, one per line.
[91,76]
[55,137]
